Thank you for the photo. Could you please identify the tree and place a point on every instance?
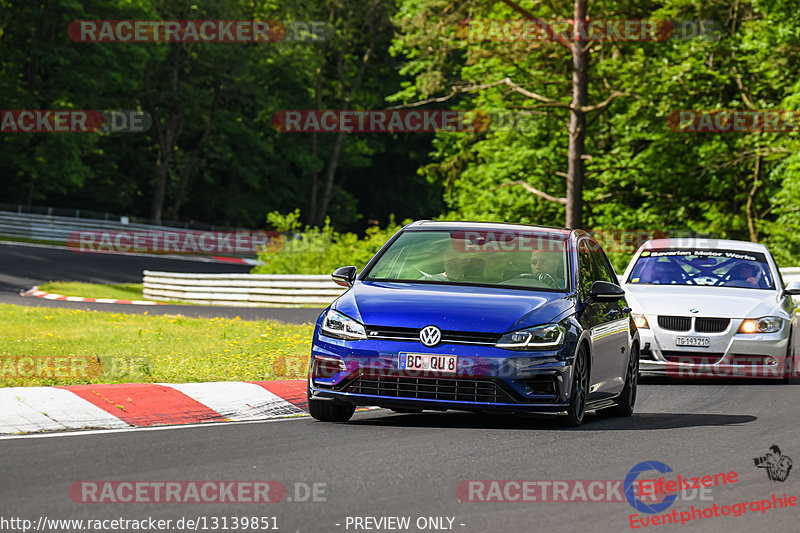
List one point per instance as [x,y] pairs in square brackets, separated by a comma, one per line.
[428,55]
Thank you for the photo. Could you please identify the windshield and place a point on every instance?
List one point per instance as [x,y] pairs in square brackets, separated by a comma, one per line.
[721,268]
[507,259]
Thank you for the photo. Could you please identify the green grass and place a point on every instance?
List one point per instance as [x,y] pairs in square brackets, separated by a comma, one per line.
[60,244]
[124,291]
[47,346]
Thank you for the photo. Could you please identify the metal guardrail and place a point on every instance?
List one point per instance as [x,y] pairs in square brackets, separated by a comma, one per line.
[247,290]
[265,290]
[85,214]
[58,228]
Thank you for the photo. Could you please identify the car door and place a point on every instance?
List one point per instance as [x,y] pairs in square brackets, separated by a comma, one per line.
[613,328]
[592,319]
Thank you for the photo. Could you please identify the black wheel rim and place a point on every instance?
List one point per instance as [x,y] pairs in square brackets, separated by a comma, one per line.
[579,383]
[633,377]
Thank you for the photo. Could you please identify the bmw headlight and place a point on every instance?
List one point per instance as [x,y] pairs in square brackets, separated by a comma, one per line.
[640,321]
[336,324]
[766,324]
[535,338]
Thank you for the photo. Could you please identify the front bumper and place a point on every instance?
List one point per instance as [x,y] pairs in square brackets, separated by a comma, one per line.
[486,379]
[729,354]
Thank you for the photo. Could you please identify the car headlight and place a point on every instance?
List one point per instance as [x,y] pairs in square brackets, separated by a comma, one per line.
[640,321]
[536,338]
[336,324]
[766,324]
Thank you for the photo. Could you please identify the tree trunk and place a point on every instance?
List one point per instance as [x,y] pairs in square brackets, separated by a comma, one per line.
[577,125]
[345,104]
[166,136]
[159,191]
[330,173]
[195,153]
[751,223]
[312,211]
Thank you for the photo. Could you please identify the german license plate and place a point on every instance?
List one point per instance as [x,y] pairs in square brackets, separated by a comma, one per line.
[427,361]
[703,342]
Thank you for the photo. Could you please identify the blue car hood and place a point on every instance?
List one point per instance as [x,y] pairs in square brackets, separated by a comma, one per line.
[450,307]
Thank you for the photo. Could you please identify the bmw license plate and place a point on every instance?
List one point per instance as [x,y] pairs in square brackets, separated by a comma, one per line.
[427,361]
[703,342]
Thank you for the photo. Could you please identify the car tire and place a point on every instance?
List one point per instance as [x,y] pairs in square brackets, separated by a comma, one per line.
[788,369]
[627,398]
[579,390]
[330,411]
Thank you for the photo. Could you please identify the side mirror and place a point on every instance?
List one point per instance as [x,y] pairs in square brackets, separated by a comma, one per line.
[603,291]
[792,288]
[344,276]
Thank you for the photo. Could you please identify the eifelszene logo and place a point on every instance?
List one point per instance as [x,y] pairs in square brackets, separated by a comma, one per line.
[630,485]
[777,466]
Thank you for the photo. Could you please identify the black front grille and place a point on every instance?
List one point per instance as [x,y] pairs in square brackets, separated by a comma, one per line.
[470,337]
[430,388]
[711,325]
[448,336]
[695,358]
[675,323]
[386,332]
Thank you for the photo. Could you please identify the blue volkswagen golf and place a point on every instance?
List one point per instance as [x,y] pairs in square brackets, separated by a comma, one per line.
[478,317]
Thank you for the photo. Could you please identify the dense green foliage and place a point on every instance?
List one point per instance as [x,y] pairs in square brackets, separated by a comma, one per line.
[318,251]
[244,167]
[640,173]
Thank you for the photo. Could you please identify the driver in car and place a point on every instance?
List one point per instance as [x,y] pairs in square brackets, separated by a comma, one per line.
[544,266]
[745,275]
[544,269]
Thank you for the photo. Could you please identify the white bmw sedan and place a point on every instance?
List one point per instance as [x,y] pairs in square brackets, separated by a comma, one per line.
[711,308]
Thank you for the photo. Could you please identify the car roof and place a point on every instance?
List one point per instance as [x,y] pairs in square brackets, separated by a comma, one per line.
[447,225]
[700,242]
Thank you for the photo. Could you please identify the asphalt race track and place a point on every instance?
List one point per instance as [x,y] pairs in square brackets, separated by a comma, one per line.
[23,266]
[385,464]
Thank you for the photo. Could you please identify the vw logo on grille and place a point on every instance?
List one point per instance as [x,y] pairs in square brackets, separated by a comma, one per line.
[430,335]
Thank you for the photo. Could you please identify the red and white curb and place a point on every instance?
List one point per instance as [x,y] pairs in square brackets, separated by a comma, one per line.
[38,409]
[52,296]
[237,260]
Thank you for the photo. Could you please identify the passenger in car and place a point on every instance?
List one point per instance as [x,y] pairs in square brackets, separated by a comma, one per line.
[455,265]
[670,273]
